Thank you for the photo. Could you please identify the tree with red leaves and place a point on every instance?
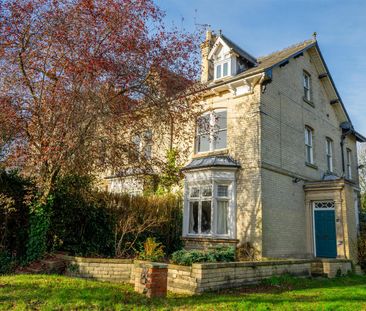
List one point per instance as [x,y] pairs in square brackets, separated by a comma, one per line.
[79,76]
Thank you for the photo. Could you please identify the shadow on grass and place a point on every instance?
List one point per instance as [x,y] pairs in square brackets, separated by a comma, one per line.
[55,292]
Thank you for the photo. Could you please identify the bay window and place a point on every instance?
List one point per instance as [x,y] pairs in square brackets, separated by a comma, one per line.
[209,209]
[212,131]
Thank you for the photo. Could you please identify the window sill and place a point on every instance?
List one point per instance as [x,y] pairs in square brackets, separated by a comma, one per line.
[311,165]
[308,102]
[209,238]
[210,153]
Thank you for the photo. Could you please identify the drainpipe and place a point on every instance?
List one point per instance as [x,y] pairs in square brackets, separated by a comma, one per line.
[348,129]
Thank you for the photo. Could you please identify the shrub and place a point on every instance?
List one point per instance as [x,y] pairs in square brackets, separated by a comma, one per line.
[188,257]
[139,217]
[87,222]
[39,224]
[6,263]
[362,249]
[80,222]
[15,196]
[151,250]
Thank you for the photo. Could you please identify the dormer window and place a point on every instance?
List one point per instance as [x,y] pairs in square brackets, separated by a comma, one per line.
[222,69]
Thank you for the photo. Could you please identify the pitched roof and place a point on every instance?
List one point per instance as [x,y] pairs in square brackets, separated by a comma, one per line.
[237,49]
[266,63]
[273,59]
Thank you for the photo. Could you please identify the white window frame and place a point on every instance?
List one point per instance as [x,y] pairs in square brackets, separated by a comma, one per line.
[211,131]
[349,163]
[214,198]
[329,154]
[307,85]
[202,179]
[143,144]
[200,199]
[309,142]
[220,64]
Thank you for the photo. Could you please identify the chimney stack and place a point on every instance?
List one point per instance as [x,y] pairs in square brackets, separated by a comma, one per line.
[206,46]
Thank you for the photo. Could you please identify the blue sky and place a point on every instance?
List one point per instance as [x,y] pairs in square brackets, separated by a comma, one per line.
[263,26]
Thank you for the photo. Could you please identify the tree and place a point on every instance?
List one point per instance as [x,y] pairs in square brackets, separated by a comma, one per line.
[79,76]
[362,176]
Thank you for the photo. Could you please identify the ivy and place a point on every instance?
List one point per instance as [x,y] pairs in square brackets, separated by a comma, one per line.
[171,175]
[39,224]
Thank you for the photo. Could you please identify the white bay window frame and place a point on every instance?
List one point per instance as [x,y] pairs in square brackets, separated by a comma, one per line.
[214,179]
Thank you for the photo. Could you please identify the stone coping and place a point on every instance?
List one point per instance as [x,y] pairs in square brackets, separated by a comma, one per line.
[180,267]
[95,260]
[150,264]
[234,264]
[208,239]
[203,265]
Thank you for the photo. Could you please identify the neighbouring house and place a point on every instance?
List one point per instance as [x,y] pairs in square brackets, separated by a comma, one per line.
[273,169]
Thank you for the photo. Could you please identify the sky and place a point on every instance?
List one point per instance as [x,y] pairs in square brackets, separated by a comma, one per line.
[264,26]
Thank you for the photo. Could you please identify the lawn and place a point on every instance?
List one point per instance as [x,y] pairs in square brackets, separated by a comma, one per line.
[41,292]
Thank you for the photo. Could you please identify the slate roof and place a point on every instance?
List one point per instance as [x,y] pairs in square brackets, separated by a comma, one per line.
[211,161]
[268,61]
[237,49]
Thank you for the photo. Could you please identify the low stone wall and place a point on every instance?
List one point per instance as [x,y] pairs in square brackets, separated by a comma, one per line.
[101,269]
[337,267]
[182,279]
[204,277]
[214,276]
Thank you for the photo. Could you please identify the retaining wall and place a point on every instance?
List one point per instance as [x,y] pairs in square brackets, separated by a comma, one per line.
[204,277]
[101,269]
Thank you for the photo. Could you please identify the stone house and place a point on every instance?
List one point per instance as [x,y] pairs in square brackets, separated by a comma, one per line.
[273,169]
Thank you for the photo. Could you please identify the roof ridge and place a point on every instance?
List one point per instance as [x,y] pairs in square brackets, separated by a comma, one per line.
[299,44]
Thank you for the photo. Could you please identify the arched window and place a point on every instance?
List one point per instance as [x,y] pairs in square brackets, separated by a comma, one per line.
[212,131]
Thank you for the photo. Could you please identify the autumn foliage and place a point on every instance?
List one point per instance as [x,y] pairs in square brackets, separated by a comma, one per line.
[78,76]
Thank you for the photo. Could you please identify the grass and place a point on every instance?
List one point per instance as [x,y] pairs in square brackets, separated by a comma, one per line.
[45,292]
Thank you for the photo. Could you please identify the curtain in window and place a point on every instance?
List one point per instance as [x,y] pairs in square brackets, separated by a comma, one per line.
[193,217]
[222,215]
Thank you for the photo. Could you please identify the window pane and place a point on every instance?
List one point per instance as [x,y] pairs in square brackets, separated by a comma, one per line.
[220,120]
[218,71]
[193,217]
[220,139]
[225,69]
[207,191]
[222,215]
[206,217]
[148,149]
[306,136]
[195,192]
[308,154]
[222,191]
[203,143]
[203,124]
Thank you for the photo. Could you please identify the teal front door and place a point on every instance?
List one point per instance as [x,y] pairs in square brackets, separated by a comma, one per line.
[325,233]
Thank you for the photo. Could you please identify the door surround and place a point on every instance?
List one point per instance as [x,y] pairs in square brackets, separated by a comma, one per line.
[323,205]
